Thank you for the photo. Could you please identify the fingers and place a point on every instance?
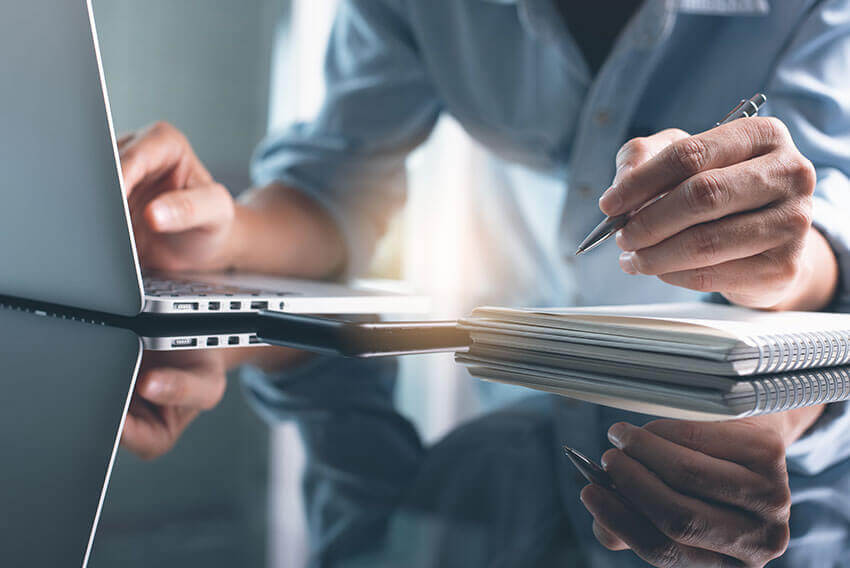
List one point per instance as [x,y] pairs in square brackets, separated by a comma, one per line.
[150,432]
[716,148]
[638,150]
[691,472]
[709,244]
[606,538]
[158,152]
[174,387]
[642,536]
[745,442]
[186,209]
[706,197]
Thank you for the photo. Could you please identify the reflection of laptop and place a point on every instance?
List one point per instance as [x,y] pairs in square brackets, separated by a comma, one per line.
[65,234]
[60,423]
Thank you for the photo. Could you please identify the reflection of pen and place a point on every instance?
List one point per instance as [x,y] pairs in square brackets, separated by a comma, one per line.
[589,469]
[610,225]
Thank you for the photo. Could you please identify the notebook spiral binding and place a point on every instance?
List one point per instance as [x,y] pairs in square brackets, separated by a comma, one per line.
[796,390]
[788,352]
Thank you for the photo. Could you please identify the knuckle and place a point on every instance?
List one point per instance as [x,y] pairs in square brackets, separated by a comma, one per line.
[770,129]
[634,147]
[702,279]
[802,173]
[162,127]
[773,543]
[771,450]
[689,156]
[684,527]
[689,434]
[666,555]
[703,244]
[786,267]
[688,473]
[706,193]
[799,219]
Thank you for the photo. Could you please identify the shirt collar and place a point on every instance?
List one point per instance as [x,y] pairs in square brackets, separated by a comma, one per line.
[705,7]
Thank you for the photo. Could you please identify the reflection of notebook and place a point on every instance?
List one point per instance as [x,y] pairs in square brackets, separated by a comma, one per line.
[681,360]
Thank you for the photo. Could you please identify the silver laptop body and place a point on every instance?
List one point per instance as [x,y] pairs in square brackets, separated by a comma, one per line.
[65,235]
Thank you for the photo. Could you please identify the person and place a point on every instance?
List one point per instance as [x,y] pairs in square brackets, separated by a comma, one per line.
[565,97]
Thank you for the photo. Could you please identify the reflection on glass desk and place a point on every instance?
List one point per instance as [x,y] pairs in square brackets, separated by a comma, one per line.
[65,387]
[492,492]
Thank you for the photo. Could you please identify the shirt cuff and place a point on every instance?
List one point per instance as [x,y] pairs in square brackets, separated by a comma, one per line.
[823,445]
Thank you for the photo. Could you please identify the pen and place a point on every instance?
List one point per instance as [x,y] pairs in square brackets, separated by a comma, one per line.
[610,225]
[589,469]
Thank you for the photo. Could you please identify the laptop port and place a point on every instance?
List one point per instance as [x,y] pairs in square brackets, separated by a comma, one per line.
[185,306]
[184,342]
[259,305]
[214,306]
[282,304]
[235,305]
[253,340]
[212,341]
[233,340]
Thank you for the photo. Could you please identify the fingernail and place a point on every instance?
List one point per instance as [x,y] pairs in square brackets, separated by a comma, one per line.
[610,202]
[623,242]
[627,263]
[162,215]
[615,436]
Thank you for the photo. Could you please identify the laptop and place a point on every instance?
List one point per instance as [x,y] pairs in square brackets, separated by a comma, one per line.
[60,424]
[65,229]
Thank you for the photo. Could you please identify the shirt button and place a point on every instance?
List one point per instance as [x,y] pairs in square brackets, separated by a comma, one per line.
[585,191]
[602,117]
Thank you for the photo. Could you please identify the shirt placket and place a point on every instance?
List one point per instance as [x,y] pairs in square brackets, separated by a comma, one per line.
[604,122]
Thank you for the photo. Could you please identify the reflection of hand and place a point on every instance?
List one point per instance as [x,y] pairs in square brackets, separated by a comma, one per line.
[171,390]
[736,218]
[182,218]
[697,493]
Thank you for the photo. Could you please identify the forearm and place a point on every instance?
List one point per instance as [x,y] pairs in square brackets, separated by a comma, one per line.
[279,230]
[817,281]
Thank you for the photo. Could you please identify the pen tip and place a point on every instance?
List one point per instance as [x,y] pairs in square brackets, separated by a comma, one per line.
[579,251]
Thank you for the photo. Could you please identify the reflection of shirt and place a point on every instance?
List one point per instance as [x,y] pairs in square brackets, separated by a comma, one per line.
[507,72]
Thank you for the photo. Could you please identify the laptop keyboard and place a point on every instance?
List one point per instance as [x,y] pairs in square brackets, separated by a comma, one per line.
[160,287]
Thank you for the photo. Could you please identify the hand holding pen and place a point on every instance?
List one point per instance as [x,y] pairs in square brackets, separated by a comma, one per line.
[679,493]
[727,210]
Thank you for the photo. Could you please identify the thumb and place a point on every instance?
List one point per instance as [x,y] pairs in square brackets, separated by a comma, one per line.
[186,209]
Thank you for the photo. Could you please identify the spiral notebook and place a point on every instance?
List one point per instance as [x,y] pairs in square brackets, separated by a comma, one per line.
[687,360]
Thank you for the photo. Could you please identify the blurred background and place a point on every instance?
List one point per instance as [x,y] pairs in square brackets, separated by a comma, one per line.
[225,73]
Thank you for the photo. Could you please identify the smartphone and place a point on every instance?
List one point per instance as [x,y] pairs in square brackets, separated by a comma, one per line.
[358,338]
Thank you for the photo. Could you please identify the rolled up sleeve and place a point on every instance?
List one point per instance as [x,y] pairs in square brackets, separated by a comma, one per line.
[379,106]
[809,93]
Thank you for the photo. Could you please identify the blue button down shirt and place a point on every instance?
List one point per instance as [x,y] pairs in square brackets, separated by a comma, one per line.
[512,76]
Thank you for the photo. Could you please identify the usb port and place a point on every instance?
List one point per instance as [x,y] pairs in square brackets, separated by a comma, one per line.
[259,305]
[235,305]
[184,342]
[212,341]
[185,306]
[214,306]
[253,340]
[233,340]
